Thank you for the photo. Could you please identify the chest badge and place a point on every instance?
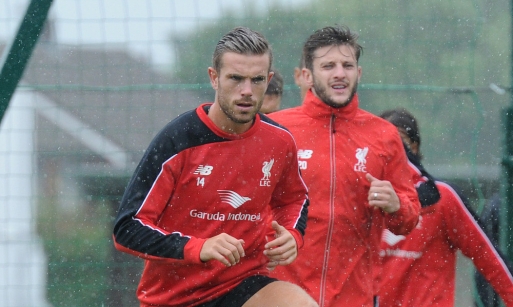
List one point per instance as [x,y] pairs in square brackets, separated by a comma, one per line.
[361,156]
[266,169]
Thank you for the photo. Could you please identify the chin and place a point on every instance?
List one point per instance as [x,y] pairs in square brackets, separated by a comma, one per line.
[345,102]
[339,103]
[243,119]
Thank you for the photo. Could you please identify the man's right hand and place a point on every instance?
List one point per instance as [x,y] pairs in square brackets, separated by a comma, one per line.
[224,248]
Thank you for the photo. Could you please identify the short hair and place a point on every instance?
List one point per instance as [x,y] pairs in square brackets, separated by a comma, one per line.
[275,86]
[330,36]
[241,40]
[403,119]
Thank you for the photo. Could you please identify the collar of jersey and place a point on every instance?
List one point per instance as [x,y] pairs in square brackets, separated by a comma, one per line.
[202,112]
[315,108]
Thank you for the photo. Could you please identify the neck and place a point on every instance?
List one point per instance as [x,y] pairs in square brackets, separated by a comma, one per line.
[225,123]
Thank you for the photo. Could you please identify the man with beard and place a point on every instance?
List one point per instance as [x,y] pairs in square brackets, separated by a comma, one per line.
[356,171]
[198,207]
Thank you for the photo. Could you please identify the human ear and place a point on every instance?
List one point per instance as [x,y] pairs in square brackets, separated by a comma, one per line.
[414,148]
[308,76]
[269,77]
[214,78]
[297,75]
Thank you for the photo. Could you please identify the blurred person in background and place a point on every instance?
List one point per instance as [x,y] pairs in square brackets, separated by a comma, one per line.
[273,94]
[300,81]
[419,269]
[197,207]
[355,167]
[491,226]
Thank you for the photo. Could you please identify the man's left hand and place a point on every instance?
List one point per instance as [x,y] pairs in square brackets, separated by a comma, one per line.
[283,249]
[382,195]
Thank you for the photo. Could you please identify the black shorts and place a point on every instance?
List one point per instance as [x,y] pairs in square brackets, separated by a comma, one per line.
[241,293]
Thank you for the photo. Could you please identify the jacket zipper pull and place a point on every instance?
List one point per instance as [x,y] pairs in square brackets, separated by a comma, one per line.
[333,123]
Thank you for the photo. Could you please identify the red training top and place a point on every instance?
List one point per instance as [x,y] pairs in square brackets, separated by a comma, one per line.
[195,182]
[336,148]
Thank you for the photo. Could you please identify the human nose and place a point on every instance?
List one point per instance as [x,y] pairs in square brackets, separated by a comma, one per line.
[340,72]
[246,88]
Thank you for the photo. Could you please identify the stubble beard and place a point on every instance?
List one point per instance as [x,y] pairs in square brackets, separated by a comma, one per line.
[228,110]
[321,92]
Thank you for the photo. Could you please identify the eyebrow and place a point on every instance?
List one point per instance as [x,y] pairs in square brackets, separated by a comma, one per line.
[243,77]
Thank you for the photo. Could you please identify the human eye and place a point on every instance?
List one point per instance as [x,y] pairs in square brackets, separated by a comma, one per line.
[327,65]
[236,78]
[257,80]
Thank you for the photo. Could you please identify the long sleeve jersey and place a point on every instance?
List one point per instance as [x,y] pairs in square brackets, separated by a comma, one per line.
[195,182]
[336,148]
[419,269]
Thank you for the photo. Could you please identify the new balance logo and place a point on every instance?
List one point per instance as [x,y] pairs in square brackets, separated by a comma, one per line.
[232,198]
[204,170]
[304,153]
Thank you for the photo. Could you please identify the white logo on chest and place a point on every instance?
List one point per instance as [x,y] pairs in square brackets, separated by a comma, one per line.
[266,169]
[302,155]
[391,238]
[361,156]
[204,170]
[232,198]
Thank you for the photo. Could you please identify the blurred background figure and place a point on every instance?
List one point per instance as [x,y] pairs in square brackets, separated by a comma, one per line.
[419,269]
[272,97]
[299,79]
[486,295]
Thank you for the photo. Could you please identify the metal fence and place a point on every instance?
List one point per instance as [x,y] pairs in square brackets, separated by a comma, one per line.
[105,76]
